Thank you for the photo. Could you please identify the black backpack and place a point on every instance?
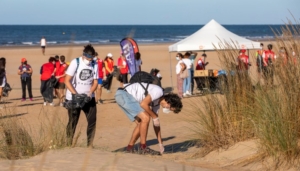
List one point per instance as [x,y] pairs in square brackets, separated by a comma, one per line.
[144,77]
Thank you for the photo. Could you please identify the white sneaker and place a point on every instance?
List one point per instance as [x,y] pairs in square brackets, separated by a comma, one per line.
[184,95]
[52,104]
[61,104]
[188,93]
[45,103]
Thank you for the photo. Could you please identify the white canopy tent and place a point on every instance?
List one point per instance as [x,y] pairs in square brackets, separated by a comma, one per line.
[213,36]
[210,37]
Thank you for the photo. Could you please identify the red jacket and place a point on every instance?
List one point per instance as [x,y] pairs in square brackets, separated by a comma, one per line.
[47,71]
[100,67]
[121,63]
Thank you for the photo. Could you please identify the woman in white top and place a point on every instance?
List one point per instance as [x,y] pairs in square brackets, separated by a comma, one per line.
[180,66]
[187,81]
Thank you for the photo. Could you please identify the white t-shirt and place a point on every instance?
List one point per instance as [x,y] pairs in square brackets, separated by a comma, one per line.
[178,67]
[138,92]
[84,78]
[187,62]
[43,42]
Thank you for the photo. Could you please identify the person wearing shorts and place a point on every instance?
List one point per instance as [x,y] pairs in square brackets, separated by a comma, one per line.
[60,75]
[123,66]
[139,108]
[101,76]
[43,45]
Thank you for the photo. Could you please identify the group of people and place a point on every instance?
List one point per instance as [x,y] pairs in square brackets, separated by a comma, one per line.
[138,103]
[84,78]
[185,82]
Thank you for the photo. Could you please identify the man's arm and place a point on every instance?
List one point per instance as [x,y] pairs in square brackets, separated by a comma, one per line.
[145,104]
[94,87]
[69,85]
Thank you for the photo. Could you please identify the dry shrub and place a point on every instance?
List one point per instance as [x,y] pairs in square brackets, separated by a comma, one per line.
[268,112]
[19,139]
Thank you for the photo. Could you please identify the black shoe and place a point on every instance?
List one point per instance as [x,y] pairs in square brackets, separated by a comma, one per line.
[101,101]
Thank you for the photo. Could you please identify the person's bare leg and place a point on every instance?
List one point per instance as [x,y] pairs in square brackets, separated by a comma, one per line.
[61,95]
[135,134]
[98,92]
[144,124]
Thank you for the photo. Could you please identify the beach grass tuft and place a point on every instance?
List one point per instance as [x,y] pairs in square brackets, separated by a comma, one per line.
[251,108]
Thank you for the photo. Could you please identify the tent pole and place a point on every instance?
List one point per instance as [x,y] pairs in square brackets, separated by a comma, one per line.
[171,70]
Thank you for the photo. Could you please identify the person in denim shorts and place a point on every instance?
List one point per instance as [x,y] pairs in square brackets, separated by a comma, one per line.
[140,107]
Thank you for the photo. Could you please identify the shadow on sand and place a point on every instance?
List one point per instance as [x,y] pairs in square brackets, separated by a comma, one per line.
[171,148]
[11,116]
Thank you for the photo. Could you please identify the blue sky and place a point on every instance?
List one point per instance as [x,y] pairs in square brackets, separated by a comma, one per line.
[147,11]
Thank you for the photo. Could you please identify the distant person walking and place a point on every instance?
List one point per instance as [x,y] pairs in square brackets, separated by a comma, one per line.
[43,44]
[25,72]
[48,81]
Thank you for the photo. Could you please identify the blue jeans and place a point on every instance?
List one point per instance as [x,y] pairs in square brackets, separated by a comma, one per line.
[128,104]
[187,82]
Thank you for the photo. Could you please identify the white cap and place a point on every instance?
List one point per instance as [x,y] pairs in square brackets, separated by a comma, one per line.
[109,55]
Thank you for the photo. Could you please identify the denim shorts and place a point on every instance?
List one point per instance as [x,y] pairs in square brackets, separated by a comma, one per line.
[100,80]
[128,104]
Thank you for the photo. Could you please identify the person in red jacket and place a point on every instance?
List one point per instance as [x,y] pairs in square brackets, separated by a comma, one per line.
[48,81]
[123,66]
[101,77]
[60,75]
[269,58]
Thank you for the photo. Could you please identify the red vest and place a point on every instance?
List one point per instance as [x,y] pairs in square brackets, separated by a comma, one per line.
[110,65]
[269,54]
[61,71]
[200,67]
[57,65]
[120,63]
[100,67]
[243,61]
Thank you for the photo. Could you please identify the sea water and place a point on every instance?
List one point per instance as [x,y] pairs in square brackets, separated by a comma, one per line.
[30,35]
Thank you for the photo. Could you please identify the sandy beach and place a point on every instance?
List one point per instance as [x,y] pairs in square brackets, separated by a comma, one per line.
[113,129]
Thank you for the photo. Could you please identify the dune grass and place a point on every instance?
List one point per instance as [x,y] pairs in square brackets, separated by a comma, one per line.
[255,109]
[19,139]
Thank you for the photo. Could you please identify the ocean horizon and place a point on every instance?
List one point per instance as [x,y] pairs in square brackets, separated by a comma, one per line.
[30,35]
